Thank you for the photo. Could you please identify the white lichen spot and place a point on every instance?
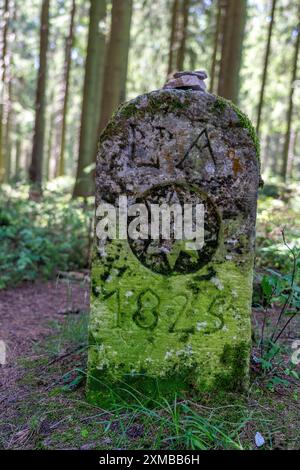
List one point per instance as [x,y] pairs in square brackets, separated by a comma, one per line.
[128,293]
[228,257]
[149,360]
[216,282]
[188,350]
[168,355]
[201,325]
[98,289]
[225,328]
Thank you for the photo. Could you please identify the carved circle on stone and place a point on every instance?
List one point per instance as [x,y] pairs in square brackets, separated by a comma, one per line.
[170,256]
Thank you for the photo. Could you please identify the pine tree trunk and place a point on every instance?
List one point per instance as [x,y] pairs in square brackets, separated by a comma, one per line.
[285,157]
[9,117]
[232,38]
[291,154]
[92,91]
[66,79]
[35,170]
[183,34]
[3,84]
[125,53]
[275,151]
[116,60]
[215,50]
[292,162]
[18,153]
[178,36]
[51,126]
[266,63]
[172,45]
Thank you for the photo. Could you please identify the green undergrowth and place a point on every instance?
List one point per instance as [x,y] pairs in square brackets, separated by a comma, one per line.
[278,210]
[40,238]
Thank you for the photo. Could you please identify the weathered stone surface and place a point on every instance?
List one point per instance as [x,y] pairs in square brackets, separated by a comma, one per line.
[170,324]
[191,80]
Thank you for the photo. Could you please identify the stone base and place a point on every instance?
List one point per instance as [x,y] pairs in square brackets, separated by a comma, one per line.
[183,333]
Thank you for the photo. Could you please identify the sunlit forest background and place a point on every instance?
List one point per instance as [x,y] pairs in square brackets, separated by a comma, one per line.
[65,67]
[129,52]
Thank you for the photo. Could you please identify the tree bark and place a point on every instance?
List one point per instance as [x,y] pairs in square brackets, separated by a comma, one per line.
[266,63]
[215,50]
[116,60]
[18,152]
[92,91]
[9,118]
[35,170]
[173,37]
[50,128]
[285,157]
[232,36]
[178,35]
[183,34]
[66,79]
[3,84]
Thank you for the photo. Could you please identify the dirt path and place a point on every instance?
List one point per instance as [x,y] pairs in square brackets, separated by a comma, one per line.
[25,315]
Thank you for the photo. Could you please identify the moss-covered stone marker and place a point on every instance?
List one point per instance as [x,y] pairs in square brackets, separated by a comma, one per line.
[165,320]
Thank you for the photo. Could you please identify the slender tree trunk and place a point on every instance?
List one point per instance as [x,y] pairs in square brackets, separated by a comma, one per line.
[232,36]
[292,162]
[35,170]
[51,126]
[292,148]
[18,152]
[266,63]
[178,36]
[215,50]
[116,60]
[183,30]
[266,160]
[173,36]
[275,145]
[9,117]
[92,91]
[3,84]
[66,79]
[285,157]
[125,53]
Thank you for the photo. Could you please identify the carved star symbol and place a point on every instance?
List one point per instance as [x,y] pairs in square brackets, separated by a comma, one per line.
[180,247]
[172,253]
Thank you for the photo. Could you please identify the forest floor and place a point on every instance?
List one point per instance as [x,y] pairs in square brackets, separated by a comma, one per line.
[42,388]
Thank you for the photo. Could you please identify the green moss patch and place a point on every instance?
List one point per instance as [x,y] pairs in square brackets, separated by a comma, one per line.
[221,104]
